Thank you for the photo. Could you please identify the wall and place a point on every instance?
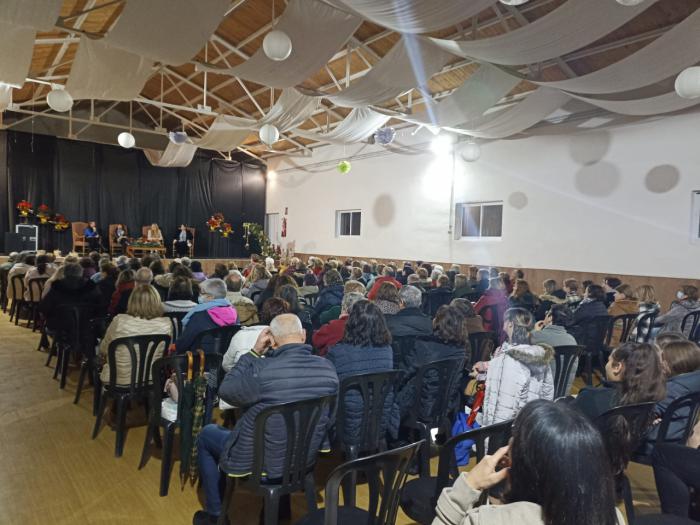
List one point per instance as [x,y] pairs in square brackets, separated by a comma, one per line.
[612,201]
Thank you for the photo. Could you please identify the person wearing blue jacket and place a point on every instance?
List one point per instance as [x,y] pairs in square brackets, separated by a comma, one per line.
[330,295]
[279,369]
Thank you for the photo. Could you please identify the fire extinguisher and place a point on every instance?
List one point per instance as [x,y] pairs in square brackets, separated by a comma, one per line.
[284,226]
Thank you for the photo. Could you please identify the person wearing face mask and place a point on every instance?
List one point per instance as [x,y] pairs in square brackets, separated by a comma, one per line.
[686,301]
[213,310]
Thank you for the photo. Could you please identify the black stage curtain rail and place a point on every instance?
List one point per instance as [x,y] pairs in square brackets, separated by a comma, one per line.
[86,181]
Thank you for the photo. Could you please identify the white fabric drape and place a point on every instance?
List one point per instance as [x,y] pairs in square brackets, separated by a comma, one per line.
[290,110]
[316,30]
[107,73]
[666,56]
[666,103]
[517,118]
[174,156]
[17,45]
[5,96]
[572,26]
[410,63]
[480,92]
[169,31]
[356,127]
[38,14]
[226,133]
[416,16]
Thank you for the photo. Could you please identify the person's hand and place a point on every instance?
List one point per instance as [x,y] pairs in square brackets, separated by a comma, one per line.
[539,325]
[264,342]
[484,474]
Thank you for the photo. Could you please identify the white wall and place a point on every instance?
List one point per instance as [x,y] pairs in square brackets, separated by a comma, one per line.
[615,200]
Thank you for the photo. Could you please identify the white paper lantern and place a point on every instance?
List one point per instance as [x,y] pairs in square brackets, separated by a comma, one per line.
[269,134]
[177,137]
[514,2]
[59,100]
[277,45]
[629,3]
[471,152]
[126,140]
[688,83]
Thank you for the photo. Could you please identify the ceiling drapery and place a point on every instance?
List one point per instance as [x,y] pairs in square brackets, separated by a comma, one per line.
[174,156]
[356,127]
[666,103]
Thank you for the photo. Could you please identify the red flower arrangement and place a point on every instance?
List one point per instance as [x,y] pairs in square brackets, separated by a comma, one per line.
[226,229]
[60,223]
[43,212]
[217,222]
[24,207]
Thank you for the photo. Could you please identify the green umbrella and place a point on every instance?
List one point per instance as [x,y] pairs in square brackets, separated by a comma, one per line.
[186,420]
[200,392]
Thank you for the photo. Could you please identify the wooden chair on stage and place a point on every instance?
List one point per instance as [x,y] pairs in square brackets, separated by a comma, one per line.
[80,245]
[114,246]
[190,249]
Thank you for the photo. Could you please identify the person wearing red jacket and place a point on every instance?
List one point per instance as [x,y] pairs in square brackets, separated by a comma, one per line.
[496,296]
[332,332]
[389,276]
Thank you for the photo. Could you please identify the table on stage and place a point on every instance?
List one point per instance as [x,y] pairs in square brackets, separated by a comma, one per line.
[140,251]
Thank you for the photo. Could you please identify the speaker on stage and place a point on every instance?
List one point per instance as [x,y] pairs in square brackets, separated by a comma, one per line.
[13,242]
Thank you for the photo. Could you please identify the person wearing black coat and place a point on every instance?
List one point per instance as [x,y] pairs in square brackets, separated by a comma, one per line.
[279,369]
[450,340]
[330,295]
[364,349]
[182,240]
[593,305]
[72,290]
[438,296]
[410,320]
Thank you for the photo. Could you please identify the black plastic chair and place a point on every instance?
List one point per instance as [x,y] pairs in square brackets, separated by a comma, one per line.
[374,390]
[689,325]
[142,350]
[437,414]
[419,496]
[219,338]
[643,327]
[493,319]
[662,519]
[176,320]
[161,371]
[89,365]
[35,286]
[592,334]
[3,288]
[18,302]
[403,349]
[310,299]
[435,298]
[482,344]
[301,419]
[625,322]
[623,429]
[564,356]
[386,474]
[73,339]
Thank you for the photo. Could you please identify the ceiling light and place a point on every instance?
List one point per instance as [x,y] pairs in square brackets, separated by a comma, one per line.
[126,140]
[59,100]
[471,152]
[688,83]
[277,45]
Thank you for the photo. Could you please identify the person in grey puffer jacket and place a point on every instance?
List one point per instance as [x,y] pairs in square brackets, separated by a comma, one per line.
[687,302]
[518,373]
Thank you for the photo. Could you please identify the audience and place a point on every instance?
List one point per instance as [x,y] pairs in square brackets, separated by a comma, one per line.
[624,303]
[550,297]
[388,275]
[571,289]
[440,295]
[107,285]
[494,296]
[519,371]
[42,269]
[143,276]
[365,348]
[57,276]
[144,316]
[245,307]
[522,297]
[463,287]
[475,323]
[558,473]
[257,281]
[552,332]
[610,284]
[288,292]
[387,298]
[288,373]
[331,294]
[309,286]
[647,305]
[213,311]
[180,295]
[25,262]
[197,272]
[686,301]
[593,305]
[71,290]
[332,332]
[409,320]
[675,472]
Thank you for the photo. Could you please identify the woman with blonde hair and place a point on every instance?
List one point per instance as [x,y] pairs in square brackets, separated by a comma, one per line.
[154,234]
[647,305]
[144,316]
[257,281]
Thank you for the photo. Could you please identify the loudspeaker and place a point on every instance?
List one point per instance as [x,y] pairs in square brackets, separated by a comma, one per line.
[13,242]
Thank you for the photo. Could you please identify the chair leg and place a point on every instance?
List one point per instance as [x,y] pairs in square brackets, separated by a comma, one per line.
[52,352]
[424,453]
[310,493]
[43,341]
[589,369]
[226,503]
[271,508]
[167,459]
[349,482]
[60,349]
[64,364]
[627,497]
[84,369]
[98,416]
[148,440]
[121,427]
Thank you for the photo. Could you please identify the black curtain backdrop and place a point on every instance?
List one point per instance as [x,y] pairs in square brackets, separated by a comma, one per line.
[86,181]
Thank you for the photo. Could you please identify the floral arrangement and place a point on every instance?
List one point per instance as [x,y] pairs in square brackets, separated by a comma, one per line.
[25,208]
[258,233]
[217,223]
[226,229]
[60,223]
[44,214]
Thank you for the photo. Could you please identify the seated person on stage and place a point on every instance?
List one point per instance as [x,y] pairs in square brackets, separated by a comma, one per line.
[288,372]
[154,234]
[213,311]
[120,236]
[92,236]
[182,241]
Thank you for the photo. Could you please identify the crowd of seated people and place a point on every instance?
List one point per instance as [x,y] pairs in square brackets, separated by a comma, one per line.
[328,320]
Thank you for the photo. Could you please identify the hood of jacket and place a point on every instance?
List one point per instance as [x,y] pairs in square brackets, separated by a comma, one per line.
[334,290]
[552,299]
[164,280]
[530,355]
[688,304]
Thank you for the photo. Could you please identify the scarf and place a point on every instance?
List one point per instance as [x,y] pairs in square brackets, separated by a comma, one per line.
[203,307]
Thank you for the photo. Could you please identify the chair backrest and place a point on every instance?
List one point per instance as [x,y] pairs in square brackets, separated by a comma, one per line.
[141,350]
[487,440]
[623,429]
[74,323]
[689,325]
[386,474]
[446,374]
[144,231]
[624,323]
[403,349]
[254,296]
[483,345]
[594,332]
[17,283]
[564,356]
[493,318]
[176,320]
[77,228]
[643,327]
[374,390]
[436,298]
[311,298]
[301,419]
[3,278]
[36,287]
[687,409]
[220,336]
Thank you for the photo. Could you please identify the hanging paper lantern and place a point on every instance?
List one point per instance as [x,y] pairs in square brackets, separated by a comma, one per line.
[126,140]
[59,100]
[514,2]
[629,3]
[277,45]
[688,83]
[385,136]
[344,166]
[471,152]
[177,137]
[269,134]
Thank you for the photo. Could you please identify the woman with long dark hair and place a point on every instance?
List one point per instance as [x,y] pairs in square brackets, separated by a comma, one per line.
[556,469]
[289,293]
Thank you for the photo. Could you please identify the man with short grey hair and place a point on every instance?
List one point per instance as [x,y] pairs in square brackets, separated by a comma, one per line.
[410,320]
[332,332]
[247,311]
[279,369]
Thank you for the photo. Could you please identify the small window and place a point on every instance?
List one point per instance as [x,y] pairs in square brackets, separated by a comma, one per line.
[347,223]
[479,219]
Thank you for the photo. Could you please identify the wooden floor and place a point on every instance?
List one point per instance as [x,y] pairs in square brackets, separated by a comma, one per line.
[52,472]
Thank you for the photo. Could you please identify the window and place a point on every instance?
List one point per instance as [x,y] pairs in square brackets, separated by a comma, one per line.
[272,227]
[695,218]
[479,219]
[347,223]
